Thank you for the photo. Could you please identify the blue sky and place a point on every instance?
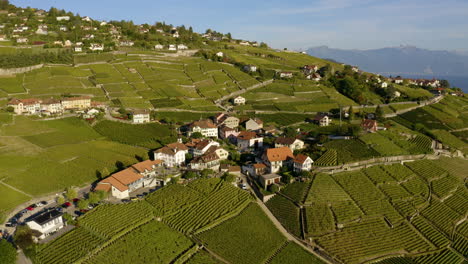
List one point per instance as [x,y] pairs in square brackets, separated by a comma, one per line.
[298,24]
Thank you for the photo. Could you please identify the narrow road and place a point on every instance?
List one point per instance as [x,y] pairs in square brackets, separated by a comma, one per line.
[285,232]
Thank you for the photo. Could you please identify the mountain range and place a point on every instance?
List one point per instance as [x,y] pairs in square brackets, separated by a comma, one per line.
[403,60]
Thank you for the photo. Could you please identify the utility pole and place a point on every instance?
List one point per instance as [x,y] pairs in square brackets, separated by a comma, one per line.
[341,110]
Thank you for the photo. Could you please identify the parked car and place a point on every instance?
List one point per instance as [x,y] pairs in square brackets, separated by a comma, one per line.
[145,193]
[44,203]
[244,186]
[39,204]
[33,205]
[76,200]
[29,208]
[23,211]
[60,209]
[134,199]
[66,205]
[125,200]
[11,224]
[140,196]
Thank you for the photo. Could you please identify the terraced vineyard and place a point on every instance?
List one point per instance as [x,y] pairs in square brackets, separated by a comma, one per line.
[286,212]
[329,158]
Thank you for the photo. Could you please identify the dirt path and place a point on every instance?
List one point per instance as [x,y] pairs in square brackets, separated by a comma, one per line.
[13,188]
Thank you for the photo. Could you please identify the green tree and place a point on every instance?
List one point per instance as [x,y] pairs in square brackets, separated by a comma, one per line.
[71,193]
[229,177]
[83,204]
[7,252]
[351,113]
[94,197]
[206,172]
[190,175]
[379,114]
[60,199]
[102,195]
[69,219]
[197,135]
[444,83]
[23,237]
[10,109]
[273,188]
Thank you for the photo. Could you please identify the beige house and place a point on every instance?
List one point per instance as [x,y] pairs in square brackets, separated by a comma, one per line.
[292,143]
[205,127]
[25,106]
[226,120]
[322,120]
[269,179]
[141,116]
[51,106]
[78,103]
[302,163]
[172,155]
[254,124]
[247,140]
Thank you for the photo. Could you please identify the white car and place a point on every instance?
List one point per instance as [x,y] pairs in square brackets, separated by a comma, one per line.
[244,186]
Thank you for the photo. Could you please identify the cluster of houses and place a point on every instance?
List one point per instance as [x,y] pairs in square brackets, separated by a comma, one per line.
[33,106]
[207,152]
[310,72]
[171,47]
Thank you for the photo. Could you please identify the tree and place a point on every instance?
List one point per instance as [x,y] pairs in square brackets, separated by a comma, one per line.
[71,193]
[379,114]
[7,252]
[444,83]
[190,175]
[4,4]
[229,177]
[273,188]
[69,219]
[83,204]
[351,113]
[206,172]
[60,200]
[23,237]
[197,135]
[10,109]
[94,198]
[102,195]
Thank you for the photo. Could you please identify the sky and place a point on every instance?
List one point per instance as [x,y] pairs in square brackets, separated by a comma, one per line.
[297,24]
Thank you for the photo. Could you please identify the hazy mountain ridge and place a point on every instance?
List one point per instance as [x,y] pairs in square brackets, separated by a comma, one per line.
[400,60]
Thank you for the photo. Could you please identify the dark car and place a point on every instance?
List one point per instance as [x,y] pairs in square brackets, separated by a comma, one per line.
[145,193]
[33,205]
[140,196]
[66,205]
[125,200]
[43,203]
[23,211]
[18,215]
[76,200]
[83,211]
[60,209]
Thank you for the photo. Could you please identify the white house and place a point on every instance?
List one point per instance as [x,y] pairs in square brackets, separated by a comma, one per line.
[226,120]
[46,223]
[172,155]
[244,43]
[202,147]
[22,40]
[3,38]
[247,140]
[292,143]
[250,68]
[51,106]
[286,75]
[384,85]
[322,119]
[96,47]
[275,158]
[78,49]
[25,106]
[239,100]
[302,163]
[141,116]
[63,28]
[158,47]
[63,18]
[127,43]
[139,175]
[220,54]
[182,47]
[205,127]
[172,47]
[314,77]
[87,19]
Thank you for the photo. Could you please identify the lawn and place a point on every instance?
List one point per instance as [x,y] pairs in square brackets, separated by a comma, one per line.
[247,238]
[10,198]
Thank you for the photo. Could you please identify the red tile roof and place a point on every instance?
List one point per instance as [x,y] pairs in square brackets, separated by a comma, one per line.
[300,158]
[146,165]
[246,135]
[279,154]
[203,124]
[29,101]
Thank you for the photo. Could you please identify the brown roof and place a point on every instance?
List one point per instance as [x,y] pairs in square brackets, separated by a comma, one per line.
[29,101]
[203,124]
[259,166]
[300,158]
[193,142]
[127,176]
[140,111]
[146,165]
[50,101]
[369,123]
[285,140]
[319,117]
[172,149]
[177,145]
[207,157]
[112,181]
[234,168]
[202,144]
[106,187]
[279,154]
[246,135]
[226,129]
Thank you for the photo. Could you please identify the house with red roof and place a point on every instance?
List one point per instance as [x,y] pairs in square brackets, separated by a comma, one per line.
[205,127]
[275,158]
[172,154]
[302,163]
[249,139]
[369,125]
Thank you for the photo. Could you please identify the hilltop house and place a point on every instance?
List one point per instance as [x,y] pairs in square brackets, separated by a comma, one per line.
[398,80]
[158,47]
[96,47]
[292,143]
[384,85]
[220,54]
[63,18]
[22,40]
[239,100]
[78,103]
[275,158]
[198,148]
[309,69]
[255,170]
[369,125]
[141,116]
[172,155]
[322,119]
[247,140]
[207,161]
[285,74]
[250,68]
[302,163]
[205,127]
[314,77]
[182,47]
[3,37]
[46,223]
[254,124]
[172,47]
[139,175]
[25,106]
[127,43]
[226,120]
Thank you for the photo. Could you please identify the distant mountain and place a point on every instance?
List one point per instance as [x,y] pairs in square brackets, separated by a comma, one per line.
[404,60]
